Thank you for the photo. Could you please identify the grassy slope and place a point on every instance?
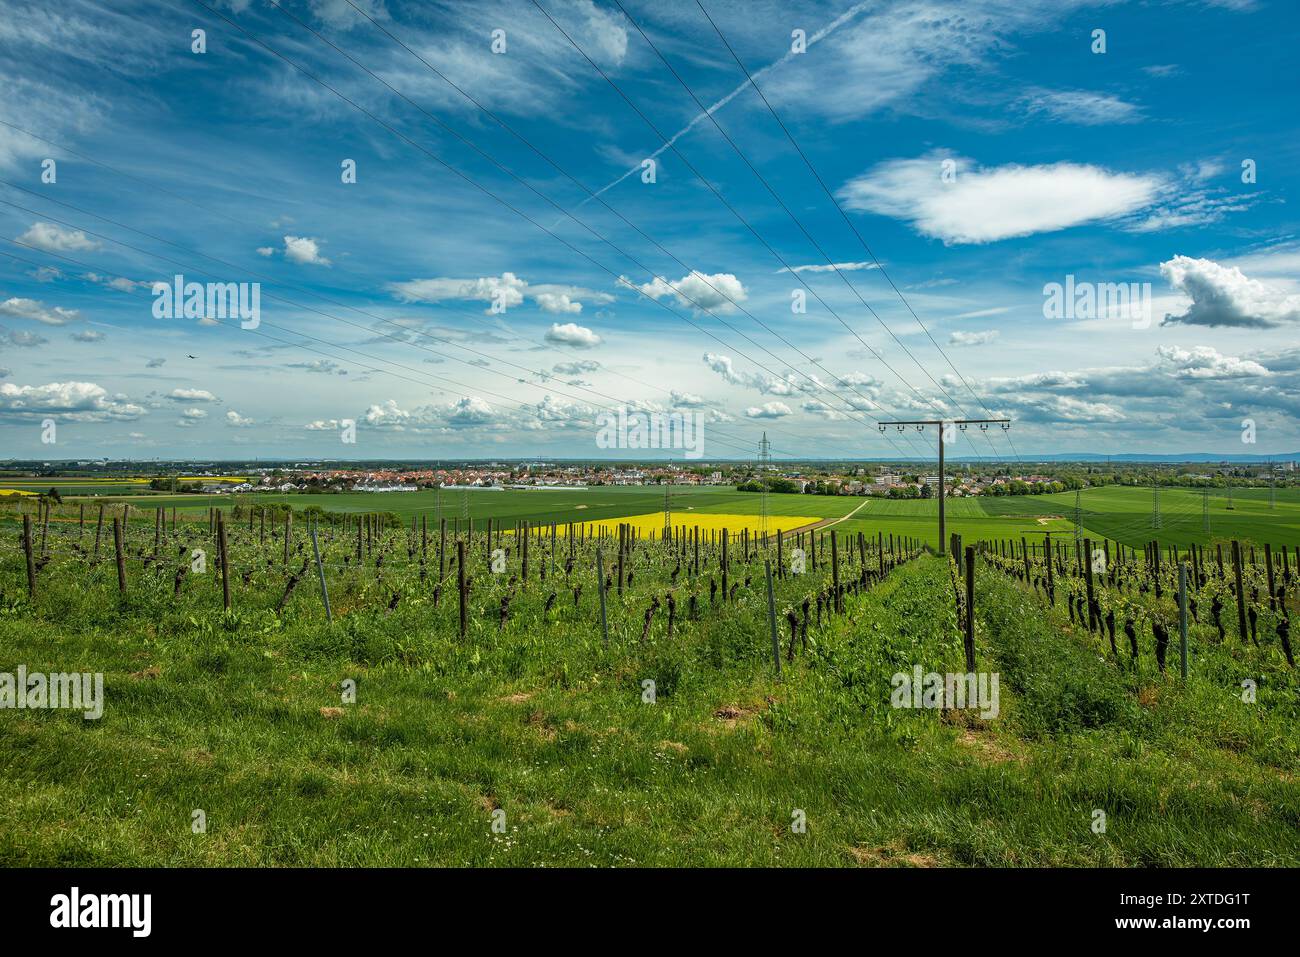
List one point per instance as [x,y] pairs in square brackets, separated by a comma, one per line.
[542,723]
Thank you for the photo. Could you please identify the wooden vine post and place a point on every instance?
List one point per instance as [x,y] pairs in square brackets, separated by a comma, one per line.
[970,609]
[460,586]
[31,561]
[121,556]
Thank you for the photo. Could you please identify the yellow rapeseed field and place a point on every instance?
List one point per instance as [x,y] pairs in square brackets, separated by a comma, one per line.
[653,522]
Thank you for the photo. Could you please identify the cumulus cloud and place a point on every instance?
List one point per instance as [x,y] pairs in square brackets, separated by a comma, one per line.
[572,334]
[387,415]
[21,338]
[191,395]
[53,238]
[769,410]
[983,205]
[304,251]
[687,400]
[972,338]
[767,385]
[237,421]
[38,311]
[819,408]
[557,303]
[88,335]
[1204,362]
[502,292]
[470,410]
[1224,296]
[73,401]
[718,292]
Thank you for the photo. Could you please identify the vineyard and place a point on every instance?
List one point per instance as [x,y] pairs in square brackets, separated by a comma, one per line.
[373,688]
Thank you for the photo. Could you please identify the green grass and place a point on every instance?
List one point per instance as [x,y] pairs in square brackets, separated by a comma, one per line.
[538,719]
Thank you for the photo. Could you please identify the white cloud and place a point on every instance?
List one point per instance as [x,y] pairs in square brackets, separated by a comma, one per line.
[687,400]
[1224,296]
[191,395]
[827,267]
[767,385]
[572,334]
[387,416]
[325,366]
[1205,362]
[972,338]
[470,410]
[819,408]
[716,292]
[1081,107]
[769,410]
[557,302]
[55,239]
[507,290]
[22,338]
[120,283]
[194,414]
[237,421]
[89,335]
[575,368]
[74,401]
[986,205]
[33,309]
[304,251]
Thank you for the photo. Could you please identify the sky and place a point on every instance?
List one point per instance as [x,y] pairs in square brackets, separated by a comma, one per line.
[475,228]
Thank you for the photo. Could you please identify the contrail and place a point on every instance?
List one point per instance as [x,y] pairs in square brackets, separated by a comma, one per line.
[815,38]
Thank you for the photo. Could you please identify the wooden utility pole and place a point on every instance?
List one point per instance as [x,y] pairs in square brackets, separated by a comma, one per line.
[943,424]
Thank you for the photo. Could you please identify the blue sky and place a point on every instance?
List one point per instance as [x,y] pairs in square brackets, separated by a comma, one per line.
[979,151]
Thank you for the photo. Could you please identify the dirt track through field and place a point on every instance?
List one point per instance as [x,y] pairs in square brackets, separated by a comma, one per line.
[828,522]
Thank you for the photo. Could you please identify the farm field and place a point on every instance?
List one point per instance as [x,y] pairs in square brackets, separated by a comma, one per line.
[532,715]
[1118,513]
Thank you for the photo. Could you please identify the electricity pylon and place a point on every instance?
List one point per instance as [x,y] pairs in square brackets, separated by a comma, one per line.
[668,509]
[1155,506]
[1078,517]
[764,466]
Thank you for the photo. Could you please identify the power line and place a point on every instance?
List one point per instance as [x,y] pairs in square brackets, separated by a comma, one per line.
[335,345]
[727,204]
[795,219]
[472,182]
[230,265]
[853,228]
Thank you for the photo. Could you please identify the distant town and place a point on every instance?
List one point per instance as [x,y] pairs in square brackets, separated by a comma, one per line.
[878,480]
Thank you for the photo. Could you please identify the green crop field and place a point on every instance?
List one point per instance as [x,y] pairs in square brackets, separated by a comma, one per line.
[384,734]
[1118,513]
